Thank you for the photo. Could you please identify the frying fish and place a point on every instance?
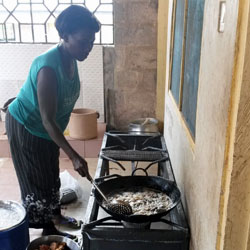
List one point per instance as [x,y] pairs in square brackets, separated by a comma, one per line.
[144,201]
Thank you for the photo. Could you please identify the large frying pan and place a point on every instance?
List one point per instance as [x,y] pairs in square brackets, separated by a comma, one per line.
[111,183]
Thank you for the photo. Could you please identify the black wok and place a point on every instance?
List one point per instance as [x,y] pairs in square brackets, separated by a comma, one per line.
[108,184]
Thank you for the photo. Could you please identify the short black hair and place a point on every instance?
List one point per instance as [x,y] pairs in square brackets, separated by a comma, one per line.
[75,18]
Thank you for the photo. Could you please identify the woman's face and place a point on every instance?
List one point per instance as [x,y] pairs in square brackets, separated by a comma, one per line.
[80,43]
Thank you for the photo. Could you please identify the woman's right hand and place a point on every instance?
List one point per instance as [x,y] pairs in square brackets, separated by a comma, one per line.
[81,166]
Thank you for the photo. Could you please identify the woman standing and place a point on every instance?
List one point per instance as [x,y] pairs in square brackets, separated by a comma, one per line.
[37,118]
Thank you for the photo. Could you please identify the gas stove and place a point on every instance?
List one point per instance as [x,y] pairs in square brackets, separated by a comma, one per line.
[131,147]
[102,231]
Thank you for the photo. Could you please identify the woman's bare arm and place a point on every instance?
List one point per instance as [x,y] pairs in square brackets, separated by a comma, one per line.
[47,100]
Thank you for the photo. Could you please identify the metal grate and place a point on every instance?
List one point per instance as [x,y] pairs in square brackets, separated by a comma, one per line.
[133,155]
[32,21]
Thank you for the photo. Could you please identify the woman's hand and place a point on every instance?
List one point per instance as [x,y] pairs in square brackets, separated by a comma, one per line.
[81,166]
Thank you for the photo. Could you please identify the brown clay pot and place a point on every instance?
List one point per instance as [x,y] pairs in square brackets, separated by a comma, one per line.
[83,124]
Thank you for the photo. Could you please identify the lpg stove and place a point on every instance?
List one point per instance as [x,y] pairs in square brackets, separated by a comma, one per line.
[103,232]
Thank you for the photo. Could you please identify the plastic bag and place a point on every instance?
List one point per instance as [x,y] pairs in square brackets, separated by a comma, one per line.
[70,188]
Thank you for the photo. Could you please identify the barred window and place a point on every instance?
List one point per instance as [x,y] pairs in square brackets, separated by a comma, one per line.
[32,21]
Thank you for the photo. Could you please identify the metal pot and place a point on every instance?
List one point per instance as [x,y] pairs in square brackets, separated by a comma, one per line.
[144,125]
[14,229]
[53,238]
[115,182]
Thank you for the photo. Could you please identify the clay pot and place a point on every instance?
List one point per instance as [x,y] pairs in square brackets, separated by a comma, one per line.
[83,124]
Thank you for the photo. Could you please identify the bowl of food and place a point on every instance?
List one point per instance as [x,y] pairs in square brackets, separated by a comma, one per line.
[53,242]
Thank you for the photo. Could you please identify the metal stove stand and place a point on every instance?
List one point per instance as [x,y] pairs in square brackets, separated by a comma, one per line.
[169,233]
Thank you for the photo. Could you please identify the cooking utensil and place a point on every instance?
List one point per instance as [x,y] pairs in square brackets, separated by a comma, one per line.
[11,214]
[119,207]
[47,240]
[146,121]
[109,184]
[83,124]
[14,229]
[144,125]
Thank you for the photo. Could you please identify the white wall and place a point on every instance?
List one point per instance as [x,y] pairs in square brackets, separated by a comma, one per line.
[15,61]
[198,165]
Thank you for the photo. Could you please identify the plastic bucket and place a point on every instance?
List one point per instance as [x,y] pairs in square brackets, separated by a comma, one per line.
[14,229]
[83,124]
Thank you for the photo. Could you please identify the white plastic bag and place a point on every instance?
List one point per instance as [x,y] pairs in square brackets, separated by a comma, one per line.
[68,182]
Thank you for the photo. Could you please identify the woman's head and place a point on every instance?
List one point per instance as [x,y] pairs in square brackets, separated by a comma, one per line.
[76,18]
[77,27]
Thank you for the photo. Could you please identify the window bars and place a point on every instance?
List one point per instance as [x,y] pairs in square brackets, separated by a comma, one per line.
[32,21]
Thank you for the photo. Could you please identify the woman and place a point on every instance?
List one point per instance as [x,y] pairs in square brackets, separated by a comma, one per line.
[36,119]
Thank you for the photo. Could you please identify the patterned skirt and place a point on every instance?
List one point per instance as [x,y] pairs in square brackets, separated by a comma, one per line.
[36,161]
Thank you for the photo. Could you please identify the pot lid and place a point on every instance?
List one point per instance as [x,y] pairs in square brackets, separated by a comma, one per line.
[11,214]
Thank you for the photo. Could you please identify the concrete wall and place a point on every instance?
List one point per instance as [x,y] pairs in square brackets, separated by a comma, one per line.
[132,94]
[161,59]
[198,165]
[236,213]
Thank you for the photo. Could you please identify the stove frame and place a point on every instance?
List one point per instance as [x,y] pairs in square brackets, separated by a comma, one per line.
[107,233]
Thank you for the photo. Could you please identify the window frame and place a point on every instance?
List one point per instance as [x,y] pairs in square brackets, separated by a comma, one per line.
[179,104]
[51,13]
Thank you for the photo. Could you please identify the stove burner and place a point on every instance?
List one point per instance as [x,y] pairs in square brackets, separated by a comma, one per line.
[145,225]
[133,155]
[104,233]
[116,141]
[134,148]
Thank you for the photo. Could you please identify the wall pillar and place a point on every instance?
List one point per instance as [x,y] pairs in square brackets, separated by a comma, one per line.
[133,92]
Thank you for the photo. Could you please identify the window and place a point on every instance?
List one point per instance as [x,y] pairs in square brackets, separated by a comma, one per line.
[32,21]
[188,22]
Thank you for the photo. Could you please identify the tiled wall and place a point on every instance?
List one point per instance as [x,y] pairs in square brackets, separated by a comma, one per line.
[15,61]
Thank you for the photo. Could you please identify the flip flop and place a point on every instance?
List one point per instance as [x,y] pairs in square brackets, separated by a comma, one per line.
[69,222]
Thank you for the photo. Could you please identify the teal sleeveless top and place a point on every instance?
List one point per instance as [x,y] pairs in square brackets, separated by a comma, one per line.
[25,107]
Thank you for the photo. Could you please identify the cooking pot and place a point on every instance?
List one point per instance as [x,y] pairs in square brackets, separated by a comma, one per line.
[108,184]
[14,229]
[47,240]
[144,125]
[83,124]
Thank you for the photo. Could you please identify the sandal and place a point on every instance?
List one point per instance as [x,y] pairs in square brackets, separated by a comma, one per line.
[69,222]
